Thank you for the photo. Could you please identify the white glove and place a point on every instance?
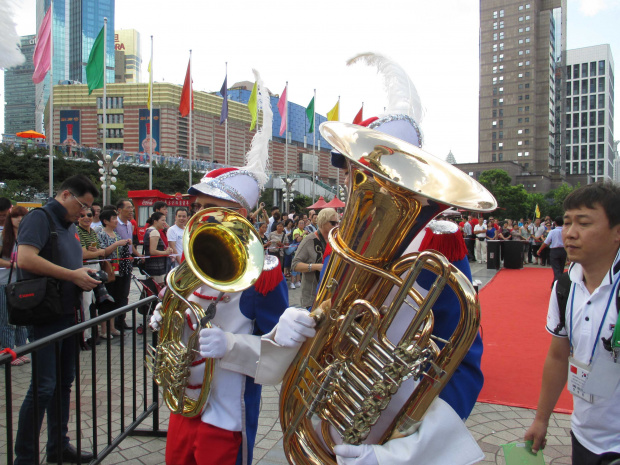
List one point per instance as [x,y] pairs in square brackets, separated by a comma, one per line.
[156,318]
[294,327]
[213,343]
[355,455]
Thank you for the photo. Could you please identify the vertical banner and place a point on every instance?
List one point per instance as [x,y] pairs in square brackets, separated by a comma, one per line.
[69,130]
[149,130]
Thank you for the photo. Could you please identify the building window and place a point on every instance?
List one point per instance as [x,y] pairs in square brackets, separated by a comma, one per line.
[495,36]
[495,47]
[601,100]
[593,68]
[501,13]
[494,25]
[520,142]
[584,70]
[501,24]
[601,134]
[520,131]
[601,67]
[495,14]
[501,156]
[592,85]
[519,154]
[494,157]
[501,35]
[601,118]
[575,71]
[601,84]
[601,150]
[576,87]
[584,86]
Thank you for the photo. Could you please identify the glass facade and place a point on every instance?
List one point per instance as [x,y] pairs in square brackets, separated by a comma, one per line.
[76,25]
[19,92]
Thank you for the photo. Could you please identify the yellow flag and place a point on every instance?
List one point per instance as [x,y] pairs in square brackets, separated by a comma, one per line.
[148,103]
[333,114]
[253,105]
[537,212]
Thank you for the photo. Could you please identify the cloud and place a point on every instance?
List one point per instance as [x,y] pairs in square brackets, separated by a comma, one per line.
[593,7]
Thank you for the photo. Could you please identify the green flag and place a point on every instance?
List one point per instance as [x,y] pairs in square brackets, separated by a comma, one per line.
[253,105]
[95,68]
[310,114]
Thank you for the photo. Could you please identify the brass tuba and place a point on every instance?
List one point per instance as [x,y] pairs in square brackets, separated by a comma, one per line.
[347,374]
[222,250]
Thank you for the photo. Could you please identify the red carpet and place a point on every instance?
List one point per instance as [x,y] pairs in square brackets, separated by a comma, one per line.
[514,312]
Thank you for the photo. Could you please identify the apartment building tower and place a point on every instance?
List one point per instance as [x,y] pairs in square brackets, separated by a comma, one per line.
[589,112]
[522,42]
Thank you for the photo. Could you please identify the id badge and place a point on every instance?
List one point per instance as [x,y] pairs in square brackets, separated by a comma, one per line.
[578,374]
[604,377]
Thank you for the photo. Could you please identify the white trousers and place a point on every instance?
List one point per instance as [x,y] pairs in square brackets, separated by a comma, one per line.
[481,251]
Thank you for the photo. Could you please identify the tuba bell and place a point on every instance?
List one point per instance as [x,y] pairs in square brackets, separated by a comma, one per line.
[347,374]
[222,250]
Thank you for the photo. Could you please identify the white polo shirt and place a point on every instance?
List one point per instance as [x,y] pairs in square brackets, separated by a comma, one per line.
[596,425]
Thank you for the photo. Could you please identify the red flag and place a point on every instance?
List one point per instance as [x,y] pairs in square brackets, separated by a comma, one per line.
[359,117]
[42,51]
[185,94]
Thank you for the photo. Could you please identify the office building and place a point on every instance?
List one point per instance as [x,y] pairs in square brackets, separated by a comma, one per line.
[589,112]
[19,91]
[127,56]
[76,24]
[522,42]
[78,122]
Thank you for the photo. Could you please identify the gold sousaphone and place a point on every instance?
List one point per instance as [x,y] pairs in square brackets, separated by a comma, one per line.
[222,250]
[346,375]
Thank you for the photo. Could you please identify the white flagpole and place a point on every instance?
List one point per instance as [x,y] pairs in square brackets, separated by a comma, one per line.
[190,117]
[106,194]
[313,146]
[226,154]
[286,133]
[338,169]
[151,118]
[50,129]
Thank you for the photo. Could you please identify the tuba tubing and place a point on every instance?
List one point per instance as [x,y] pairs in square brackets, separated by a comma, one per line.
[346,375]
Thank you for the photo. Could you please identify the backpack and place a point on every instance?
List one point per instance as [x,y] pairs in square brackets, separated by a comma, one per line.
[562,291]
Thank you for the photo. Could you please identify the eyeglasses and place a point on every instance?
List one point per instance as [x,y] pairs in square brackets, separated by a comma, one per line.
[90,215]
[334,223]
[84,206]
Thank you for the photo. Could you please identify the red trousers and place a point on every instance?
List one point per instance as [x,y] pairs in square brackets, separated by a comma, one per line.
[192,442]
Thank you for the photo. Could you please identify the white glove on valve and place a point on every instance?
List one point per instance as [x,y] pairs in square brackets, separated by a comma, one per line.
[156,318]
[355,455]
[294,327]
[213,343]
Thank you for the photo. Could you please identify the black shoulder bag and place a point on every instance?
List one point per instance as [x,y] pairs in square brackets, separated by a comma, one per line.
[35,301]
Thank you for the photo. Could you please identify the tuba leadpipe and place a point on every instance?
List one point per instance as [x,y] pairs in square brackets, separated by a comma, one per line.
[346,375]
[222,250]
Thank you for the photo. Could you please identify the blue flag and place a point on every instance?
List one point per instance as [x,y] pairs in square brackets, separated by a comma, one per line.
[224,92]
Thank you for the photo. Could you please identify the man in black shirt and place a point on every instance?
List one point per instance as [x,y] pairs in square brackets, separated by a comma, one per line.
[34,259]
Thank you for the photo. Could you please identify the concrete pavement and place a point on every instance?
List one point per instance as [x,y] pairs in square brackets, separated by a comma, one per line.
[491,425]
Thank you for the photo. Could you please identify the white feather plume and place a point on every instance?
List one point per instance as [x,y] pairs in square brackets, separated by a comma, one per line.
[403,97]
[10,54]
[258,156]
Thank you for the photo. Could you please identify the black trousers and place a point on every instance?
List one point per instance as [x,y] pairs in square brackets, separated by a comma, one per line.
[582,456]
[558,260]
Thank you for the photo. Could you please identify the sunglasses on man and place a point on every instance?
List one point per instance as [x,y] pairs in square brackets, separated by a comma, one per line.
[90,215]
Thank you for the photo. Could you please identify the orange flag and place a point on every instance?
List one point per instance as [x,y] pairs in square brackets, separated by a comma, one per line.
[359,117]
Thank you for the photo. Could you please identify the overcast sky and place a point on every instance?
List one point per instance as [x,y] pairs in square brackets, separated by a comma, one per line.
[308,44]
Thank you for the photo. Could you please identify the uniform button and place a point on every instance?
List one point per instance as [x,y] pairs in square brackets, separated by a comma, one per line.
[589,302]
[587,318]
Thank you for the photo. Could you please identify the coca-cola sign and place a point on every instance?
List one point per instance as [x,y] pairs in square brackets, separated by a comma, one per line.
[147,202]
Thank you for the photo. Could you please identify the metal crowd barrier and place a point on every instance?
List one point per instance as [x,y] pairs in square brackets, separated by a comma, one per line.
[115,366]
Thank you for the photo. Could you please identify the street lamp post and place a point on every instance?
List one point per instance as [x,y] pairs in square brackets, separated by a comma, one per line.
[108,171]
[287,193]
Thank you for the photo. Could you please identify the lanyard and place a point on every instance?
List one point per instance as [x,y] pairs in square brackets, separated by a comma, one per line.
[600,328]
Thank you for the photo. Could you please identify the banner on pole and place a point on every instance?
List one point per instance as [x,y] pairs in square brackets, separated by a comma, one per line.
[148,130]
[70,129]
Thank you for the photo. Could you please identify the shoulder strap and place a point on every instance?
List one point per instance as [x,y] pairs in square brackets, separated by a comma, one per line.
[562,290]
[53,235]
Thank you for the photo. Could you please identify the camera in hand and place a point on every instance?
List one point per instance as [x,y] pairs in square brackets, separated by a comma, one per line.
[101,293]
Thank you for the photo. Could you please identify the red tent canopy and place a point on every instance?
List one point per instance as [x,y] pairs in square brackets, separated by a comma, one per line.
[319,203]
[334,203]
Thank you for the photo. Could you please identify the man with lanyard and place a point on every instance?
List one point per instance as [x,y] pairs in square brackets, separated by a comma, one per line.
[582,350]
[124,229]
[558,253]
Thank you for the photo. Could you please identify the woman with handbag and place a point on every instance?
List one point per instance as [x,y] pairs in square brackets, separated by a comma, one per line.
[159,265]
[278,240]
[10,335]
[112,244]
[90,250]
